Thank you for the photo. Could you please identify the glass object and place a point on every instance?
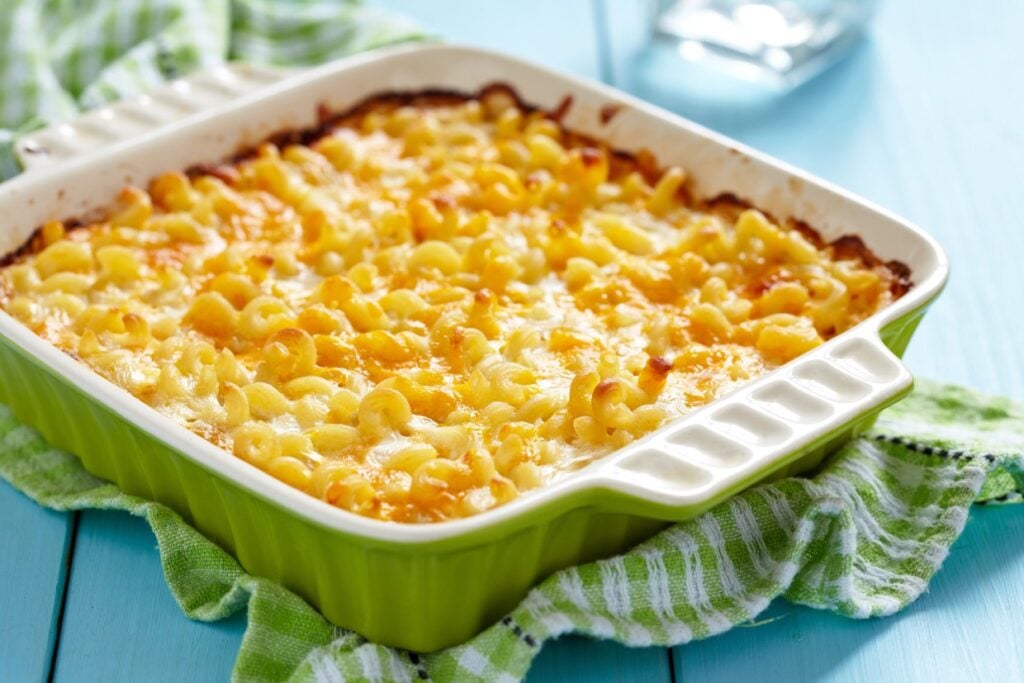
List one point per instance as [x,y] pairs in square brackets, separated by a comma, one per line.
[781,43]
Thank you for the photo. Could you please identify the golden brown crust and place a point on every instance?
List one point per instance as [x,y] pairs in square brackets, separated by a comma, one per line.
[726,205]
[844,247]
[33,245]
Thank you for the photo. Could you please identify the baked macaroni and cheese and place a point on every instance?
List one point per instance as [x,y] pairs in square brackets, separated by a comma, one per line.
[434,303]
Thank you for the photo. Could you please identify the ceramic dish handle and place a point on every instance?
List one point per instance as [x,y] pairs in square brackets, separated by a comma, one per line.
[736,440]
[141,115]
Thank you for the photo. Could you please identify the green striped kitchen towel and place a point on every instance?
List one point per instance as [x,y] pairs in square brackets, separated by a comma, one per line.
[862,537]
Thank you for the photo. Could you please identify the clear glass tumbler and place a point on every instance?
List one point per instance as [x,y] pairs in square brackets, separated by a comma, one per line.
[781,43]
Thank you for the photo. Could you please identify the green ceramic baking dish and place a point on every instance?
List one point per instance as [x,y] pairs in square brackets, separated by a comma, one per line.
[424,587]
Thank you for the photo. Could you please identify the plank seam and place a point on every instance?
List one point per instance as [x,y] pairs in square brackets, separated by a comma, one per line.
[64,582]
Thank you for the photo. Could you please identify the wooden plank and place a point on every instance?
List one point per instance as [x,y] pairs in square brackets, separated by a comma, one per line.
[557,34]
[33,548]
[967,627]
[121,622]
[573,659]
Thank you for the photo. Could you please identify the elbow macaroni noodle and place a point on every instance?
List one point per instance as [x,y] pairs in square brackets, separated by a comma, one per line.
[435,306]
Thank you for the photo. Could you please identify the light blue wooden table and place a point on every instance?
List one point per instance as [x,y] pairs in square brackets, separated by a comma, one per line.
[926,119]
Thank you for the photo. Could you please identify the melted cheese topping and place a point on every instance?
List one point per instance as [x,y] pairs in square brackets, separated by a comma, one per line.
[435,306]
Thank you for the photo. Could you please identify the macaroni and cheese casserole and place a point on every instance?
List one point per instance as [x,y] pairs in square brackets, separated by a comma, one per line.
[434,303]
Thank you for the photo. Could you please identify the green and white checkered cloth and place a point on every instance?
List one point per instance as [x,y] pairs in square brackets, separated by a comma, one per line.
[862,537]
[61,56]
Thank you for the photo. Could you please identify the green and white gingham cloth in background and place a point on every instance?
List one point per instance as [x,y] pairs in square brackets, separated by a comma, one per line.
[862,537]
[61,56]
